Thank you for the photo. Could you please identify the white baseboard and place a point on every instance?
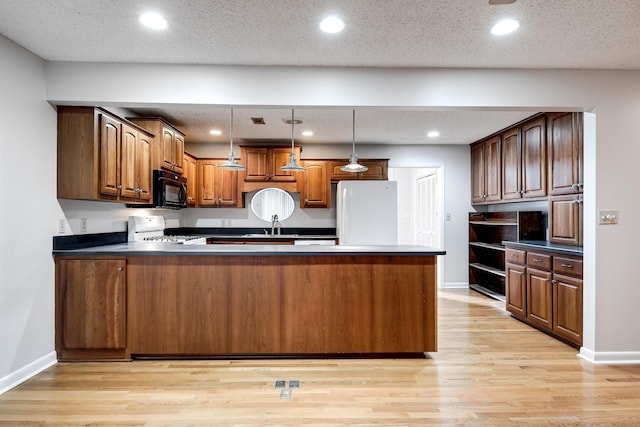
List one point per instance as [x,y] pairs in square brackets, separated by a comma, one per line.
[610,357]
[456,285]
[32,369]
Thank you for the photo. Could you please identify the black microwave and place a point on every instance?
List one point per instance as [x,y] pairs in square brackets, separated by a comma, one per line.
[169,190]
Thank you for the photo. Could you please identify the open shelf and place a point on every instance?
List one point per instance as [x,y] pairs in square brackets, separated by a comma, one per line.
[487,231]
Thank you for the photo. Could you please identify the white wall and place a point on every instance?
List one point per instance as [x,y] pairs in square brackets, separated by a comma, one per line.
[29,209]
[612,95]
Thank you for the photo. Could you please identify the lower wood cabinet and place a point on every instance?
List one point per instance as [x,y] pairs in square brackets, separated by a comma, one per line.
[544,289]
[91,308]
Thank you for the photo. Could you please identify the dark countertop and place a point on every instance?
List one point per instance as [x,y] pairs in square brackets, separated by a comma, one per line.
[164,248]
[544,245]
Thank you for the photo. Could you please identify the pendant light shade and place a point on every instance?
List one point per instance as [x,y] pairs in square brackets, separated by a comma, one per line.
[231,162]
[292,166]
[353,165]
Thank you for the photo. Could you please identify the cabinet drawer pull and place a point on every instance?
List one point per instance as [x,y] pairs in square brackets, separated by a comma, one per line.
[567,265]
[537,260]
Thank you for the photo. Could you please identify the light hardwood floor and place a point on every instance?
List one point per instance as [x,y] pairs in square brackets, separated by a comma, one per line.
[490,370]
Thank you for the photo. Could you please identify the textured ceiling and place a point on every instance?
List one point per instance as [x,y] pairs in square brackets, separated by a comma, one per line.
[567,34]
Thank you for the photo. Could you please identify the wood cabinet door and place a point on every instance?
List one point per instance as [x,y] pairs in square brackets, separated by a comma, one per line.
[178,153]
[168,150]
[493,170]
[226,186]
[565,220]
[516,289]
[110,146]
[91,304]
[378,170]
[191,173]
[256,161]
[207,174]
[511,165]
[279,157]
[564,140]
[567,309]
[477,173]
[540,298]
[128,162]
[144,174]
[534,158]
[316,187]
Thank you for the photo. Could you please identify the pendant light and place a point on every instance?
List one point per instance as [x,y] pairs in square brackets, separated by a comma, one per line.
[353,165]
[292,166]
[231,162]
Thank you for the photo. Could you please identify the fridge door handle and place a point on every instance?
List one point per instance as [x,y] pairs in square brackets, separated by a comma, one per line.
[343,218]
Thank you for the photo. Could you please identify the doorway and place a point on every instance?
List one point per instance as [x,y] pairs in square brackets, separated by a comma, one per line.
[421,208]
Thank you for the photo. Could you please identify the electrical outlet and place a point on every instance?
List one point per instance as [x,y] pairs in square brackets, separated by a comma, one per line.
[83,225]
[447,217]
[62,226]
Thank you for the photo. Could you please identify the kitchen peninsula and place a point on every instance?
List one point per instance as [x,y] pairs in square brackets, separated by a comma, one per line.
[141,299]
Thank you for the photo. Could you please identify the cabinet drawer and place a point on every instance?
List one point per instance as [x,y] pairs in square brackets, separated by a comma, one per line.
[568,266]
[515,256]
[540,261]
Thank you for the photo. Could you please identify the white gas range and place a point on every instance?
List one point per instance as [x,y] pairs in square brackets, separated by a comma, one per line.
[150,228]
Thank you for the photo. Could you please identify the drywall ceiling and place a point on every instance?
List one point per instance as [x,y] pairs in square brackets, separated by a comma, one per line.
[567,34]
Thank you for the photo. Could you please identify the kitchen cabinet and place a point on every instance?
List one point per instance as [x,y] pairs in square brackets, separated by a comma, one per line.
[487,231]
[216,187]
[168,150]
[378,170]
[190,171]
[263,169]
[565,147]
[315,184]
[553,298]
[90,295]
[486,173]
[102,157]
[524,161]
[565,220]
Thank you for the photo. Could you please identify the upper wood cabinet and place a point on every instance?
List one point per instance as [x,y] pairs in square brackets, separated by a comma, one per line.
[378,170]
[168,150]
[565,150]
[190,171]
[524,161]
[565,220]
[263,169]
[315,185]
[217,188]
[486,173]
[101,156]
[91,309]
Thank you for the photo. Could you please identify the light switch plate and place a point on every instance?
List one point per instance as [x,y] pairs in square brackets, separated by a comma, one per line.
[608,217]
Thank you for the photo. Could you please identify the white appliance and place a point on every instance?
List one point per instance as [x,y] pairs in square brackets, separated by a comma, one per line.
[367,213]
[150,228]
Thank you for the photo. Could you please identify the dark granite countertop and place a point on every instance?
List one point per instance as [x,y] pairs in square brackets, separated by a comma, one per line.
[544,245]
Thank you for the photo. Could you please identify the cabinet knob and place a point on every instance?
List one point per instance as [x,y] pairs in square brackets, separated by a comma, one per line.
[118,187]
[120,268]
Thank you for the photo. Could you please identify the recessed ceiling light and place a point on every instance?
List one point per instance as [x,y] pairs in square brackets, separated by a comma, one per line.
[505,26]
[433,134]
[332,25]
[153,20]
[215,132]
[307,133]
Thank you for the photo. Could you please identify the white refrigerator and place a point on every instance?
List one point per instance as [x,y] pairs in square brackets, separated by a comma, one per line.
[367,213]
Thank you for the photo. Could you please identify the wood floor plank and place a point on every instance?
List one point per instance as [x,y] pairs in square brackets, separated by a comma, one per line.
[490,370]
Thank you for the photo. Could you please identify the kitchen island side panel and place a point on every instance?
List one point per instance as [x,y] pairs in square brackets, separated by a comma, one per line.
[257,305]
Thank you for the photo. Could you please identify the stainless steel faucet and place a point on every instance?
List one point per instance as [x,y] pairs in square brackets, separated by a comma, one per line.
[275,224]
